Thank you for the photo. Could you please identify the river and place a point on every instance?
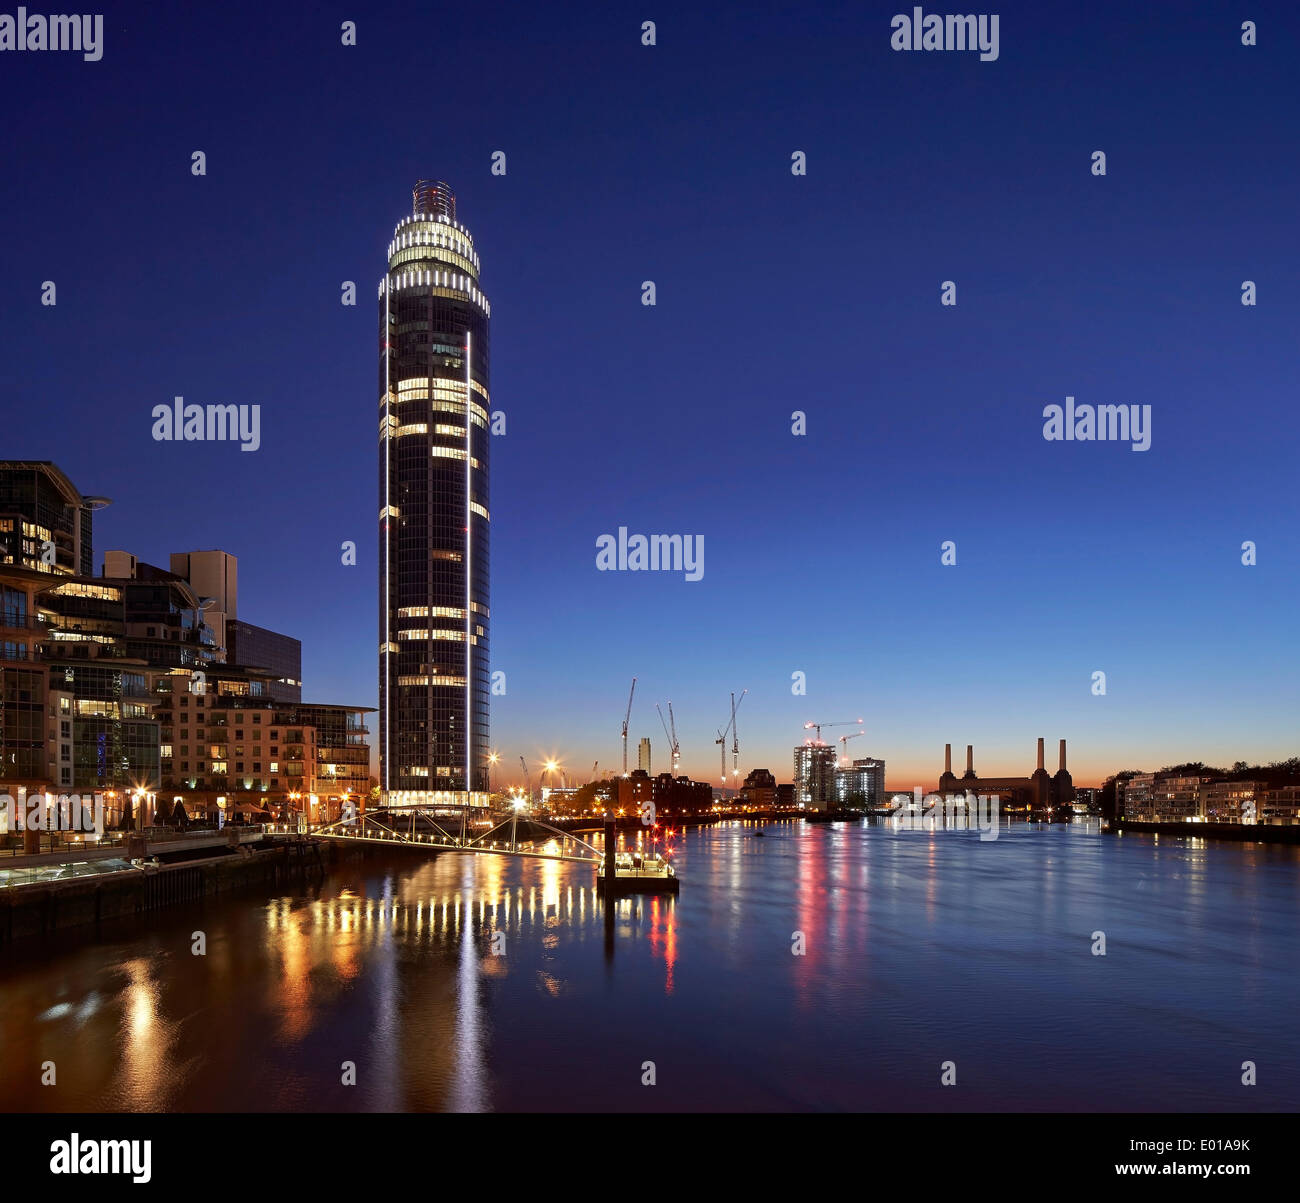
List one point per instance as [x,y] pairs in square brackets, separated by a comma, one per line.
[918,948]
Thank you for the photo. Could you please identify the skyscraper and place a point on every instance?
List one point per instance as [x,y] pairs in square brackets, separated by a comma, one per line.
[433,507]
[643,755]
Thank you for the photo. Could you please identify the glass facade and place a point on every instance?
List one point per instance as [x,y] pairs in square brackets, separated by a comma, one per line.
[39,506]
[249,646]
[433,504]
[22,724]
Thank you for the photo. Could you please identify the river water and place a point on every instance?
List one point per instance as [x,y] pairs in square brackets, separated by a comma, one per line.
[918,948]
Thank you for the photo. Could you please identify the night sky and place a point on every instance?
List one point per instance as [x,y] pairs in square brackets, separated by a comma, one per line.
[775,293]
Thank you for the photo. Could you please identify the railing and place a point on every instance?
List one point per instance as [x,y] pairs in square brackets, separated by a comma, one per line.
[50,843]
[11,621]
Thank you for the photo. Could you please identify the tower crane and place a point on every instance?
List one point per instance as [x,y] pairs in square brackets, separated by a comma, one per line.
[722,735]
[670,730]
[844,740]
[819,726]
[677,748]
[626,719]
[735,739]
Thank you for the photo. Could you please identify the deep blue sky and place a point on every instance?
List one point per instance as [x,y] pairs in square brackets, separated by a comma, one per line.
[775,293]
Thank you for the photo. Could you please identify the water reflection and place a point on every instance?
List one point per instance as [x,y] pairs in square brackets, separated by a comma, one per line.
[914,943]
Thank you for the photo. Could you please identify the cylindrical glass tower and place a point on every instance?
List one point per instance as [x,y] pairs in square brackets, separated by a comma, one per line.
[433,508]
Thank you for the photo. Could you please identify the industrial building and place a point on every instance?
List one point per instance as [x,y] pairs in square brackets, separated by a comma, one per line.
[1040,791]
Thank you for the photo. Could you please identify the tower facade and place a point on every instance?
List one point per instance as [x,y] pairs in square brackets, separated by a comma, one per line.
[434,579]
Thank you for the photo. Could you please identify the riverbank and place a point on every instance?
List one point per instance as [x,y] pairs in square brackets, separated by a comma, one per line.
[44,907]
[1238,832]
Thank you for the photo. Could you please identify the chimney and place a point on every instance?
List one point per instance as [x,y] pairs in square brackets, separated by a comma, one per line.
[970,760]
[947,759]
[1062,756]
[1040,753]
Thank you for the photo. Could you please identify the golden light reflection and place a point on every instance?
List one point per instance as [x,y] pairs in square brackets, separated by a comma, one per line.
[291,946]
[145,1069]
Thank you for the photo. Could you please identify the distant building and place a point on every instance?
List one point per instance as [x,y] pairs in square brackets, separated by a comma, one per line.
[1164,798]
[633,790]
[1232,801]
[248,646]
[1040,791]
[214,575]
[760,789]
[643,757]
[677,796]
[814,774]
[1280,804]
[861,784]
[559,798]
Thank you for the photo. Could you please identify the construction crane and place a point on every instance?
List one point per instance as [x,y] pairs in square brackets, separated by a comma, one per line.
[670,731]
[819,726]
[722,735]
[677,748]
[844,740]
[626,719]
[735,739]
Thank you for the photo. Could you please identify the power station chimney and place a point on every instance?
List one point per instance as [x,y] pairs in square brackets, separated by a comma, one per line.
[970,760]
[1040,753]
[1062,756]
[947,759]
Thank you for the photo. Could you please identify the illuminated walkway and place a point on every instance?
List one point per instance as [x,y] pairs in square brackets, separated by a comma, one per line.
[440,832]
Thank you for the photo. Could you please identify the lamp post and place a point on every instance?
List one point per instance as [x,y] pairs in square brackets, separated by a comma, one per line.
[551,766]
[514,820]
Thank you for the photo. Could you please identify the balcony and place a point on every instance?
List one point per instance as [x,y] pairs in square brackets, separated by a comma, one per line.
[11,621]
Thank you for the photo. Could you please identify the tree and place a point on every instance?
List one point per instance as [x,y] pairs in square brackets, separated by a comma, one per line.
[1107,800]
[585,798]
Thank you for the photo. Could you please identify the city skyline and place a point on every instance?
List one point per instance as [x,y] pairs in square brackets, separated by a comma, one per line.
[801,539]
[924,423]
